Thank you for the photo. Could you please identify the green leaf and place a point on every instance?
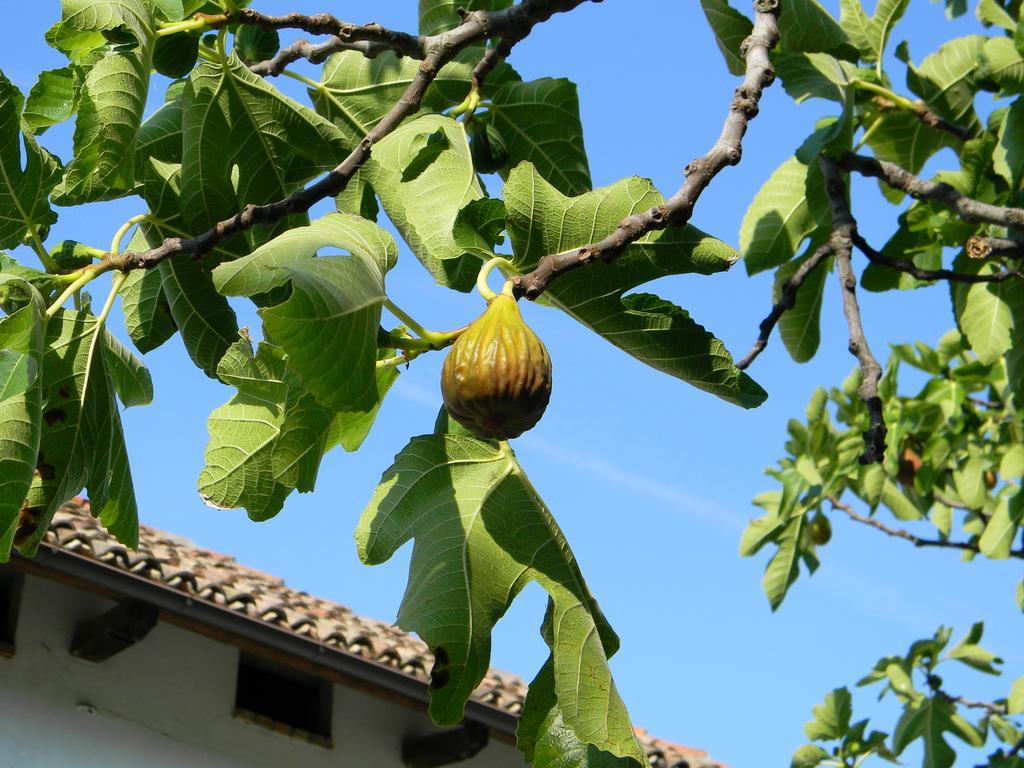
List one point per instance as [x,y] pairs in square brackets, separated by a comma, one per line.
[539,122]
[987,318]
[544,739]
[809,756]
[53,99]
[542,221]
[147,315]
[969,480]
[356,92]
[21,391]
[831,718]
[328,324]
[871,35]
[328,327]
[112,99]
[424,209]
[239,469]
[246,143]
[946,79]
[1001,530]
[968,652]
[898,503]
[731,28]
[1008,157]
[23,191]
[1015,701]
[206,321]
[353,427]
[991,12]
[481,535]
[814,75]
[779,218]
[784,566]
[1012,465]
[1002,62]
[929,720]
[799,326]
[82,443]
[806,26]
[128,375]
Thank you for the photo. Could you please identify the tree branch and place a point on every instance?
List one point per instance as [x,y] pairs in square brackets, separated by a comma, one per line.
[844,228]
[980,247]
[785,303]
[372,36]
[967,208]
[899,533]
[679,208]
[911,268]
[437,51]
[315,53]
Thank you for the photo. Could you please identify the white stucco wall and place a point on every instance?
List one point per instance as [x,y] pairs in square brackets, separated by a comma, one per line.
[167,702]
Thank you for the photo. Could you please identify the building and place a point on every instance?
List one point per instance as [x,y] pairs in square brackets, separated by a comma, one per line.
[172,655]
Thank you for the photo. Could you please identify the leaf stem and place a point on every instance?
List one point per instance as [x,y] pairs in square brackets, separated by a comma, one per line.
[115,243]
[468,105]
[200,22]
[302,79]
[115,288]
[222,51]
[87,275]
[900,101]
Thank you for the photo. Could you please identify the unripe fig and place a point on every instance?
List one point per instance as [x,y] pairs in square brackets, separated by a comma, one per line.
[496,380]
[820,529]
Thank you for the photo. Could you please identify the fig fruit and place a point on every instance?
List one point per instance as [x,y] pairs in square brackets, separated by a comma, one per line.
[820,529]
[496,380]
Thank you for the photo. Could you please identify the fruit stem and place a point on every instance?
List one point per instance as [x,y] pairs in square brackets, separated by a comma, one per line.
[485,271]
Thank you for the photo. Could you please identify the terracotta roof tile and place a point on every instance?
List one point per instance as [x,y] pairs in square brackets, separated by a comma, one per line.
[178,563]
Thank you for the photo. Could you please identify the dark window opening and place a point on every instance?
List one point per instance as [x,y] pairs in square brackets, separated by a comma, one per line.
[10,598]
[283,700]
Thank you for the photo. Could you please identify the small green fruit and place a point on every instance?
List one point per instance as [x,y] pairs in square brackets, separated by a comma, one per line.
[496,380]
[820,529]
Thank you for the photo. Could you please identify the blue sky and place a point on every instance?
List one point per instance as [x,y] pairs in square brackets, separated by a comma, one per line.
[650,478]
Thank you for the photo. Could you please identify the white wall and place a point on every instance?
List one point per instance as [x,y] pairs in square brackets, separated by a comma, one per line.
[167,702]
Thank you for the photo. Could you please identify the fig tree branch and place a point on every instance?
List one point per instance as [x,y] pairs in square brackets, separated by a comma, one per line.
[899,533]
[844,227]
[678,209]
[785,303]
[877,257]
[438,50]
[966,208]
[314,53]
[886,99]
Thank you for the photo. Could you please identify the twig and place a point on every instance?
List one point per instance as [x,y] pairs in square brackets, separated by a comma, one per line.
[844,228]
[990,707]
[786,302]
[314,53]
[438,50]
[896,177]
[877,257]
[899,533]
[679,208]
[979,247]
[372,37]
